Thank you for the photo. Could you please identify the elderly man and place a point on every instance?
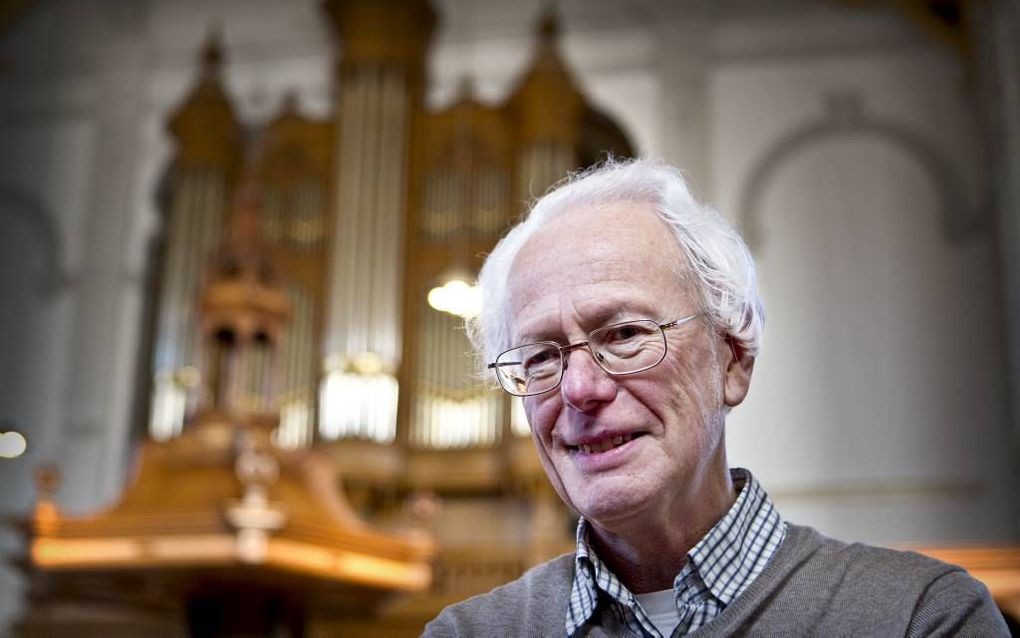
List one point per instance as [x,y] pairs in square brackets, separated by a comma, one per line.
[627,316]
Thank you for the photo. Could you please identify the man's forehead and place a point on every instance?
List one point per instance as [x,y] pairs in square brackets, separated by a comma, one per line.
[620,228]
[545,315]
[596,264]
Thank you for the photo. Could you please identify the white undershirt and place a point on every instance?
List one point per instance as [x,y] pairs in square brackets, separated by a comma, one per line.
[661,609]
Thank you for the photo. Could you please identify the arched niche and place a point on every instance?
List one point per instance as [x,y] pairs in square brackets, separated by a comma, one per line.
[877,410]
[845,117]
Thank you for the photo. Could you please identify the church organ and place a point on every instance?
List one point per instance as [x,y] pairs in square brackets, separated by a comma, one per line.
[356,218]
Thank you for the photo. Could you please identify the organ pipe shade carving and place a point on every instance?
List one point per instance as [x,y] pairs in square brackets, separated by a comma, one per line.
[464,204]
[541,165]
[294,218]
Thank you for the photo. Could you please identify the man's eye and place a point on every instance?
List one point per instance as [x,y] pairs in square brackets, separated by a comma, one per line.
[621,334]
[538,360]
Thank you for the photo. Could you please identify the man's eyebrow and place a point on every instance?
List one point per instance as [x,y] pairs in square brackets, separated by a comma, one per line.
[607,314]
[533,335]
[595,316]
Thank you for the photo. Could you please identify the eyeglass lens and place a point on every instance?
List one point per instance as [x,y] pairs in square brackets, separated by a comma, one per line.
[623,348]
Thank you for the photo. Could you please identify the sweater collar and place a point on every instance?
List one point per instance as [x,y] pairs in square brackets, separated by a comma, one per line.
[719,567]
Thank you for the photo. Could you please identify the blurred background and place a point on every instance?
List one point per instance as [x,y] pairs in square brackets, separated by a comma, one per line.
[237,242]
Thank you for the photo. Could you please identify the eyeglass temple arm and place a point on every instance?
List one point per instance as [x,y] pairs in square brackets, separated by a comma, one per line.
[678,322]
[497,364]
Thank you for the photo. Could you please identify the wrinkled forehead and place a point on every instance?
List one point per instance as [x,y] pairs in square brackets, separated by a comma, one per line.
[597,260]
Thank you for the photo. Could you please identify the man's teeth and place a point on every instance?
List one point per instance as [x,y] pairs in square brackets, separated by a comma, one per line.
[605,444]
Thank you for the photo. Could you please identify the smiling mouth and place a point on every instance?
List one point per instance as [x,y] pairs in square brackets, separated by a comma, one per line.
[606,444]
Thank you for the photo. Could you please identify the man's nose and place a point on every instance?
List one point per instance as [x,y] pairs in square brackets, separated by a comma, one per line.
[585,384]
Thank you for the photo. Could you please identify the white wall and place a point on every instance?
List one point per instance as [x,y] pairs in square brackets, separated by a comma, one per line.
[878,410]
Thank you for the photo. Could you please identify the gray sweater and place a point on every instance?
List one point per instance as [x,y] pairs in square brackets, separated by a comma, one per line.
[813,586]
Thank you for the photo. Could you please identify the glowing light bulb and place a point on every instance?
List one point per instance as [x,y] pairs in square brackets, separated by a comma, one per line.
[457,297]
[12,445]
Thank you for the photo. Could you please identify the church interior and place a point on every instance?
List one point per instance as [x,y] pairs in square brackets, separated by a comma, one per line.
[238,242]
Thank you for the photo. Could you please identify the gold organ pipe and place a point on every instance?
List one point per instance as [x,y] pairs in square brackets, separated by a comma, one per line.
[447,207]
[379,180]
[304,218]
[464,197]
[393,194]
[298,232]
[187,267]
[167,352]
[452,207]
[350,147]
[367,111]
[318,209]
[435,224]
[373,185]
[337,305]
[297,343]
[304,364]
[385,183]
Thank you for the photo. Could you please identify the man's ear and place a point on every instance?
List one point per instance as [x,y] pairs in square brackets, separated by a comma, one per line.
[738,374]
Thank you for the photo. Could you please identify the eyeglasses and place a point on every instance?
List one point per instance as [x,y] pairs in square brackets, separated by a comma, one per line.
[622,348]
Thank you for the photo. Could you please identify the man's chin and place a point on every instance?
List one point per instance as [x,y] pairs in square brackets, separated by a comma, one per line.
[608,505]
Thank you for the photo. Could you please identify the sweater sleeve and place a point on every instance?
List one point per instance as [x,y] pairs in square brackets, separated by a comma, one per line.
[446,625]
[533,605]
[955,604]
[497,614]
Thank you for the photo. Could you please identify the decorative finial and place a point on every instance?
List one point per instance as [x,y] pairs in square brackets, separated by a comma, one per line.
[465,88]
[290,102]
[47,480]
[549,24]
[212,52]
[253,516]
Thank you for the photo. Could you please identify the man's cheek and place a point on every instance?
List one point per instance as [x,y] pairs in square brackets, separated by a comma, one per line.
[541,417]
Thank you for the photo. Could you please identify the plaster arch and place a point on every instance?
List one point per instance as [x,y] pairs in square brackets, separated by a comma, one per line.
[846,116]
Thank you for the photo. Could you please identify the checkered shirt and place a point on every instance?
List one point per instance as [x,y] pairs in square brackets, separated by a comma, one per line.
[719,568]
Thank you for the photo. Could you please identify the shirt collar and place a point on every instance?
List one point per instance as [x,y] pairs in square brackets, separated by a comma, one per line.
[731,555]
[727,559]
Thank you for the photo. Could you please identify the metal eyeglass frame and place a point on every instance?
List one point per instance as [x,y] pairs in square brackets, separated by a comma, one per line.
[567,349]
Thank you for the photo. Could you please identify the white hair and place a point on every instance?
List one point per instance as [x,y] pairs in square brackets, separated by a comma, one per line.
[713,251]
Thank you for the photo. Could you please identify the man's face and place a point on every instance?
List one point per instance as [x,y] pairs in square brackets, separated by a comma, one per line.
[624,446]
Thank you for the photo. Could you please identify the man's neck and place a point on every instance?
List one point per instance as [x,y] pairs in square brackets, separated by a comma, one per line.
[646,555]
